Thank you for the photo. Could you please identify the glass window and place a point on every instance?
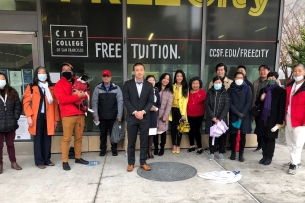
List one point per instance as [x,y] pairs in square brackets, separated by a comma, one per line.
[249,37]
[14,59]
[87,35]
[164,38]
[18,5]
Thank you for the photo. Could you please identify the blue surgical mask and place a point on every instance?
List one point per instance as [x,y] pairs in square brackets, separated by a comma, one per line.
[42,77]
[2,83]
[217,86]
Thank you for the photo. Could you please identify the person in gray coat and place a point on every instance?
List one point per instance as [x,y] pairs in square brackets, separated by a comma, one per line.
[107,104]
[166,96]
[240,103]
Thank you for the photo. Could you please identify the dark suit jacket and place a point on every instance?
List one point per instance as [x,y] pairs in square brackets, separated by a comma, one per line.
[133,102]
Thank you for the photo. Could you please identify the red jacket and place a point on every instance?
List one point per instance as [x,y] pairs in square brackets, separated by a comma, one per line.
[297,114]
[63,93]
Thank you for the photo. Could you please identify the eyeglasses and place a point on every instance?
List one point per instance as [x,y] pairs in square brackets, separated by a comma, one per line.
[106,76]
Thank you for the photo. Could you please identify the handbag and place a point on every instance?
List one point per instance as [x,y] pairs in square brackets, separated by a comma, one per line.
[183,127]
[255,111]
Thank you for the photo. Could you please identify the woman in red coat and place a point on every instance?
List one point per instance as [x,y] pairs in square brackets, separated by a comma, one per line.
[195,113]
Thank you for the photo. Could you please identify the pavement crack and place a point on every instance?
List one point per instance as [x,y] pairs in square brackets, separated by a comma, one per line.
[99,183]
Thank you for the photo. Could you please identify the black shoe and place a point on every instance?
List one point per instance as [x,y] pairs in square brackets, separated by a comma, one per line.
[262,160]
[241,157]
[161,152]
[191,149]
[65,166]
[156,151]
[114,153]
[233,155]
[81,161]
[102,153]
[268,161]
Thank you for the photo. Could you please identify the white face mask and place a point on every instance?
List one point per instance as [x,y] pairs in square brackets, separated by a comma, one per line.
[298,78]
[239,82]
[2,83]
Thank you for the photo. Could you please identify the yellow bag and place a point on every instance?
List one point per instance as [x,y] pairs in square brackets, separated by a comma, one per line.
[183,127]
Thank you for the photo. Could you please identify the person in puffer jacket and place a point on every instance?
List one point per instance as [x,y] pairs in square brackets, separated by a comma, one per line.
[216,106]
[107,104]
[10,111]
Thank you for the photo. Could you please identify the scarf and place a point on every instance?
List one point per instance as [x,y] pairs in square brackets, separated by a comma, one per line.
[235,87]
[267,104]
[45,86]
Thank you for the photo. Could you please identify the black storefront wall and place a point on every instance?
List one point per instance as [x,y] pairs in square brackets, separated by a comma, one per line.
[234,35]
[173,42]
[246,35]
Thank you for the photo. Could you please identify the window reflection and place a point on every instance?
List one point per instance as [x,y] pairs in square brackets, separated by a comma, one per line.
[18,5]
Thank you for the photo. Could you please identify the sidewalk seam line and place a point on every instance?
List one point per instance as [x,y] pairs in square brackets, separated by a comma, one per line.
[243,187]
[99,183]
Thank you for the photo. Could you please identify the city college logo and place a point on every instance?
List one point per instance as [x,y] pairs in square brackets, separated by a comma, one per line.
[69,40]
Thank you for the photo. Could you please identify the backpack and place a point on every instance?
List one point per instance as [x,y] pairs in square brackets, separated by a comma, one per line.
[31,87]
[118,132]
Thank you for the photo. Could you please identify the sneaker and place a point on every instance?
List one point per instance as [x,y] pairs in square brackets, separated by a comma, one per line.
[221,157]
[288,164]
[259,149]
[292,169]
[211,157]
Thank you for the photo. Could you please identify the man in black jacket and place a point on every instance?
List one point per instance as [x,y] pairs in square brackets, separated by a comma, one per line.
[107,104]
[138,97]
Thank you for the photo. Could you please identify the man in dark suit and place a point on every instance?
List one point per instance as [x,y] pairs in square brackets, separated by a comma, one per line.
[138,98]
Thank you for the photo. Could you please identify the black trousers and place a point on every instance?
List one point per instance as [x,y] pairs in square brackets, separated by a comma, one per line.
[195,124]
[105,125]
[42,142]
[268,146]
[176,135]
[258,137]
[220,142]
[132,130]
[241,144]
[163,139]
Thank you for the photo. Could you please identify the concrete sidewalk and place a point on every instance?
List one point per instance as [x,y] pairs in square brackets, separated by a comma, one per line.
[110,182]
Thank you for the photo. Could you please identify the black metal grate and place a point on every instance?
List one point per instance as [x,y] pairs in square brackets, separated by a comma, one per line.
[168,171]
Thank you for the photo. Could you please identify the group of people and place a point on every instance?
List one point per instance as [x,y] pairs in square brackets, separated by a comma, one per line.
[150,106]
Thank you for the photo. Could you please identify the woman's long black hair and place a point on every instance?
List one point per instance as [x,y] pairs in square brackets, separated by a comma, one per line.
[12,94]
[35,78]
[185,87]
[169,86]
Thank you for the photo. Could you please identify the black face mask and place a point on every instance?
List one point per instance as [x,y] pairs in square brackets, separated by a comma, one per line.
[67,75]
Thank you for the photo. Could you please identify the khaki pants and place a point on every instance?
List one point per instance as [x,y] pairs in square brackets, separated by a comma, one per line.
[72,124]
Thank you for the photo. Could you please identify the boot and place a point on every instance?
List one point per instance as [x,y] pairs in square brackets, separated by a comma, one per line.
[241,157]
[233,155]
[15,166]
[268,160]
[156,147]
[150,141]
[1,168]
[161,152]
[264,158]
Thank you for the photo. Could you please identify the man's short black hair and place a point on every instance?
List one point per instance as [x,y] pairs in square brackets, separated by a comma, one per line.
[224,67]
[241,66]
[273,73]
[264,66]
[138,64]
